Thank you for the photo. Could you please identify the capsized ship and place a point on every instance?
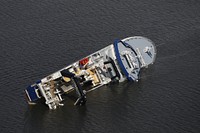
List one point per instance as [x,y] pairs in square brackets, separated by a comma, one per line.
[117,62]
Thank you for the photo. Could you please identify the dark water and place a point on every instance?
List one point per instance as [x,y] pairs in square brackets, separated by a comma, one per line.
[40,37]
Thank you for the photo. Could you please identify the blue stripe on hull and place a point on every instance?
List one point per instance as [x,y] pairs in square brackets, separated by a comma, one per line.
[31,90]
[119,59]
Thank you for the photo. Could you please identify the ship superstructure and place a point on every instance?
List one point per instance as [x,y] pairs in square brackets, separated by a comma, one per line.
[122,60]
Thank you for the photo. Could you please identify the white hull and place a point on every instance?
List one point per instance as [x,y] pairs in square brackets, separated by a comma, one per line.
[116,62]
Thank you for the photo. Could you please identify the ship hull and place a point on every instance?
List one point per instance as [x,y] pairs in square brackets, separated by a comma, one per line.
[117,62]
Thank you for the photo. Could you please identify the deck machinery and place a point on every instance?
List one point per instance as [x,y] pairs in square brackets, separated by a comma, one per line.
[117,62]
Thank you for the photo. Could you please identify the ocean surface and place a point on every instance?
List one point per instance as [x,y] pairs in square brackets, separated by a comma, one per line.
[39,37]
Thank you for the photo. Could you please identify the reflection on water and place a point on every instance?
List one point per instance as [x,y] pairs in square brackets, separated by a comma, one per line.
[39,38]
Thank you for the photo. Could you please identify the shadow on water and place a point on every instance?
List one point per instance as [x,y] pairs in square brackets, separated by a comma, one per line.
[34,118]
[38,118]
[114,99]
[37,38]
